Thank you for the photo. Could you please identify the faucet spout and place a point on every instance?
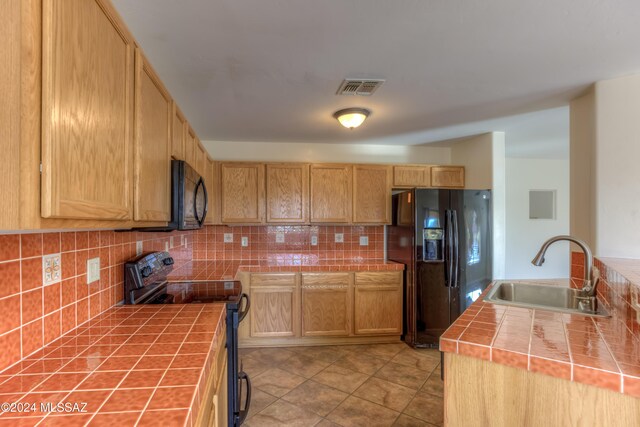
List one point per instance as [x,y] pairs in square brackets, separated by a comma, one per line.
[590,279]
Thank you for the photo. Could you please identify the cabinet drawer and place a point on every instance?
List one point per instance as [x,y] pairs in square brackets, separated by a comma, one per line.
[379,278]
[285,279]
[326,279]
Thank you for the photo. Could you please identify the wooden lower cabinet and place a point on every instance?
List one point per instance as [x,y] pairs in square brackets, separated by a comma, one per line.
[274,305]
[326,304]
[322,308]
[378,303]
[213,412]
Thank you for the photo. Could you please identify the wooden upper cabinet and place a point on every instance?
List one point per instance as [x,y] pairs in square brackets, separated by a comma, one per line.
[287,193]
[87,111]
[409,176]
[209,182]
[190,142]
[330,193]
[371,194]
[152,162]
[447,176]
[179,131]
[201,158]
[242,193]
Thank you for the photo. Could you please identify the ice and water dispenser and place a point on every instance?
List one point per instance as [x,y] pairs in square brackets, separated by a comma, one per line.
[433,237]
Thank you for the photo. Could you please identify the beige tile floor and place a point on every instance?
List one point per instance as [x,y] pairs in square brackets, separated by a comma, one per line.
[356,385]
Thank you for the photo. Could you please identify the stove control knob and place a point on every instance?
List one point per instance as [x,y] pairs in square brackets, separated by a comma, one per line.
[168,261]
[146,271]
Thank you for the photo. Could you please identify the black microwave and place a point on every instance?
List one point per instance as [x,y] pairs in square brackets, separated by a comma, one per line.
[189,199]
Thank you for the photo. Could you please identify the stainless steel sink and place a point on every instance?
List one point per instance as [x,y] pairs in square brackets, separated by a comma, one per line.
[545,297]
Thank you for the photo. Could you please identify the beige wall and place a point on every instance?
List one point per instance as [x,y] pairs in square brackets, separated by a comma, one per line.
[316,152]
[605,167]
[483,158]
[582,173]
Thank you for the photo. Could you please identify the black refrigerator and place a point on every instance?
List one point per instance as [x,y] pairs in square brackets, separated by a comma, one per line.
[444,239]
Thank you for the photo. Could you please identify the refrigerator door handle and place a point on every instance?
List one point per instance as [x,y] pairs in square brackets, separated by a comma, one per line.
[456,249]
[449,250]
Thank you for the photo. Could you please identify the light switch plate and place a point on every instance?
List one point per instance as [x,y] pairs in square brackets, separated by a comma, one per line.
[279,237]
[171,241]
[314,240]
[339,237]
[139,247]
[93,270]
[364,240]
[166,246]
[228,237]
[182,240]
[244,241]
[51,269]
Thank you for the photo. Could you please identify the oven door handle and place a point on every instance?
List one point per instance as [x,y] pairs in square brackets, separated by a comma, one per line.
[242,415]
[247,306]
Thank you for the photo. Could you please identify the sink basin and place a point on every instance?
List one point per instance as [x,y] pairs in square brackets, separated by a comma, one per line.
[545,297]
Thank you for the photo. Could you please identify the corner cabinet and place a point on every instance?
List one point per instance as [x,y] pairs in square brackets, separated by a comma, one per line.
[153,141]
[331,193]
[287,193]
[87,112]
[242,193]
[371,194]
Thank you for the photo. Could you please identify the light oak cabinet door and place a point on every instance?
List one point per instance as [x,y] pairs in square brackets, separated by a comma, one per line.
[447,176]
[371,194]
[87,112]
[179,132]
[242,193]
[200,159]
[152,161]
[190,142]
[409,176]
[331,193]
[275,305]
[378,303]
[327,306]
[221,399]
[287,193]
[210,182]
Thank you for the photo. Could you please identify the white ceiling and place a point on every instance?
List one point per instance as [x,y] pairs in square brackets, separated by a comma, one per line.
[256,70]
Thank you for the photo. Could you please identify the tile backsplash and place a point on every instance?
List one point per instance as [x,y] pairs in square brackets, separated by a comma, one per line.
[265,243]
[35,314]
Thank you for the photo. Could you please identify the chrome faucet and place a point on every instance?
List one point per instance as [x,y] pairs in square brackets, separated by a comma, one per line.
[591,274]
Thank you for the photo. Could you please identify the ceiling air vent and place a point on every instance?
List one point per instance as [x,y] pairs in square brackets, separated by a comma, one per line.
[359,87]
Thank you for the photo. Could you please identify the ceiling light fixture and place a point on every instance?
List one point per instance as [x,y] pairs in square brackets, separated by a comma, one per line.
[351,118]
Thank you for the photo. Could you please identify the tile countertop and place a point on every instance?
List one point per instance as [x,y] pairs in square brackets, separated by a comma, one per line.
[131,364]
[604,352]
[226,270]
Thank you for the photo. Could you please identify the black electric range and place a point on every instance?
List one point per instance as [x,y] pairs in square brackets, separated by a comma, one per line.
[145,282]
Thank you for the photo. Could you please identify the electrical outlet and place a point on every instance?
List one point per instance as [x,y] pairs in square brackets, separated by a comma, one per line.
[228,237]
[182,240]
[93,270]
[51,269]
[364,240]
[339,237]
[314,240]
[279,237]
[171,241]
[139,247]
[166,246]
[244,241]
